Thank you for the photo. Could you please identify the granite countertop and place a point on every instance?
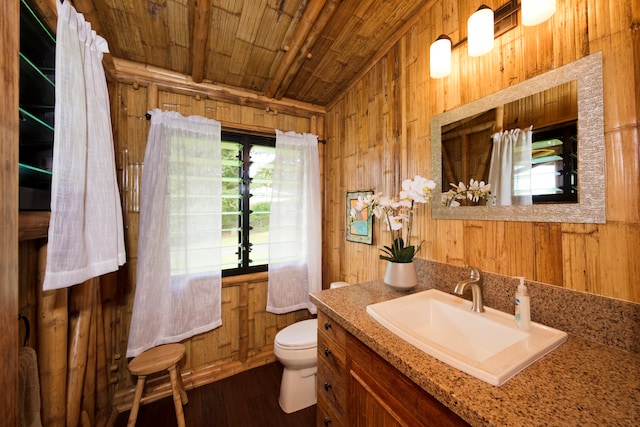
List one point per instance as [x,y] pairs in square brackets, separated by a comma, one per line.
[582,382]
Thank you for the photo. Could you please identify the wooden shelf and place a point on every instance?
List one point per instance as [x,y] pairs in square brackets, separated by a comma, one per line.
[33,225]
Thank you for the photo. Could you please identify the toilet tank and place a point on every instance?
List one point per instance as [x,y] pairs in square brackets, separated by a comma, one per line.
[335,285]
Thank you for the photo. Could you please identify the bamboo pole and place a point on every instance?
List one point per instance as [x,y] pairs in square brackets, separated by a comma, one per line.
[152,96]
[448,170]
[172,81]
[243,322]
[465,159]
[484,164]
[302,31]
[89,385]
[499,118]
[474,129]
[103,410]
[52,344]
[303,53]
[201,20]
[81,304]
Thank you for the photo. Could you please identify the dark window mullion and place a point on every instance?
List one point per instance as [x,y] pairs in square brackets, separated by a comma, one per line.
[245,145]
[245,191]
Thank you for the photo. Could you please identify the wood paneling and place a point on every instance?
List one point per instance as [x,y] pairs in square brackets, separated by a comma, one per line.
[245,339]
[378,134]
[9,69]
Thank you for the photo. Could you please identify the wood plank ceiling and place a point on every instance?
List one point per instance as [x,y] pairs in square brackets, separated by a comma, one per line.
[305,50]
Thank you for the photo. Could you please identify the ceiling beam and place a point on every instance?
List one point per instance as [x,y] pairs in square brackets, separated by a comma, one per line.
[202,17]
[304,28]
[304,52]
[173,81]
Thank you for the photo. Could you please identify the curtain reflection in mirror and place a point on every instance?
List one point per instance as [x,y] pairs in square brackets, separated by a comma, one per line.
[510,168]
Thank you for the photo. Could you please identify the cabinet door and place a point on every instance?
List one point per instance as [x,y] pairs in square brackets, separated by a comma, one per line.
[379,394]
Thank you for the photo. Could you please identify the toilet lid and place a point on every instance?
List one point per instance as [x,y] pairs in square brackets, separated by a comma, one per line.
[299,335]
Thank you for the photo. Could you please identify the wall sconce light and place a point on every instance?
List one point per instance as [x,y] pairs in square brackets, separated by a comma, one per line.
[480,31]
[535,12]
[440,57]
[482,28]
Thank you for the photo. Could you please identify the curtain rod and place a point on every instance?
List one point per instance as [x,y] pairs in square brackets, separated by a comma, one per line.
[148,117]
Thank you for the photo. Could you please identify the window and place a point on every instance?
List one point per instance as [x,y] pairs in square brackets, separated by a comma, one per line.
[247,171]
[554,173]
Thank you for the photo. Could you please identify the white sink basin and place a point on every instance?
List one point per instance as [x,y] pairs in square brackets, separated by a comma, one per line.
[488,346]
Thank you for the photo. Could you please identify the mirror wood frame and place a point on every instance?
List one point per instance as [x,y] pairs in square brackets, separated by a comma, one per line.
[590,208]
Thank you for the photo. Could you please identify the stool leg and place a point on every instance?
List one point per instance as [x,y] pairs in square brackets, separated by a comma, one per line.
[183,392]
[175,389]
[133,415]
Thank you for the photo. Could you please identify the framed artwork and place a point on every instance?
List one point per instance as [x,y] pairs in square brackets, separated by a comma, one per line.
[359,229]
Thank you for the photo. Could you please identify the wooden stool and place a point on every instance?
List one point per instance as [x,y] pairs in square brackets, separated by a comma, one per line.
[164,357]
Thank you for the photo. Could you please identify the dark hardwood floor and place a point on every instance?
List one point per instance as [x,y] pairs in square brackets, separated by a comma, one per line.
[244,400]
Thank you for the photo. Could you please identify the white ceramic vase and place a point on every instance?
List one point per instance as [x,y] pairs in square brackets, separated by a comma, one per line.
[401,276]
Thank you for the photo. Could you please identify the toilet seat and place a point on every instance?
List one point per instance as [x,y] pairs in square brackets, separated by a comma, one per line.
[298,336]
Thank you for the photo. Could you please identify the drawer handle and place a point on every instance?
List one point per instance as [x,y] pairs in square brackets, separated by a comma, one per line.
[327,421]
[327,351]
[327,386]
[327,325]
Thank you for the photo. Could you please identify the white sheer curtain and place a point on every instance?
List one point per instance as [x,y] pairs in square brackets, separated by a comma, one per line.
[510,169]
[85,231]
[295,230]
[178,281]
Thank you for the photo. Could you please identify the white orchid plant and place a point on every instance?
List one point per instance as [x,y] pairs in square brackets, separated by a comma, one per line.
[398,216]
[475,192]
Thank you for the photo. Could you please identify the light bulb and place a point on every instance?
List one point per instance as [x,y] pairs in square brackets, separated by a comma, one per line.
[440,57]
[535,12]
[480,31]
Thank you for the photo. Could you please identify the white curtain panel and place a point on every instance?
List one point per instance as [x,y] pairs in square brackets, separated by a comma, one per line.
[510,168]
[178,282]
[86,236]
[295,224]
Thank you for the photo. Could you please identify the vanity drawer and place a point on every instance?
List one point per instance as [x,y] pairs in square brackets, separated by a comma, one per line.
[331,329]
[326,416]
[331,385]
[331,353]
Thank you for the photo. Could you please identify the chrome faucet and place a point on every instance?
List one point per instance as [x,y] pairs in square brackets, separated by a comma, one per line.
[475,282]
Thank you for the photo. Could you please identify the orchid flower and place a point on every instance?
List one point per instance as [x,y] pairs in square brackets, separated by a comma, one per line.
[398,215]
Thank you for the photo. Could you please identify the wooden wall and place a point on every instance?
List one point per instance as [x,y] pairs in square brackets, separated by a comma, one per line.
[9,135]
[379,134]
[245,339]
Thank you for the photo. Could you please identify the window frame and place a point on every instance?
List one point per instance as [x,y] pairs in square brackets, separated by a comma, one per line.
[567,133]
[246,140]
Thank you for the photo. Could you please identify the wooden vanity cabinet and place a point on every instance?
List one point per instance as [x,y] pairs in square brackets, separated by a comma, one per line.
[365,390]
[331,379]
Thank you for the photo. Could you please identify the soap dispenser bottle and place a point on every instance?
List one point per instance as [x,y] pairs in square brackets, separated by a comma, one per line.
[523,307]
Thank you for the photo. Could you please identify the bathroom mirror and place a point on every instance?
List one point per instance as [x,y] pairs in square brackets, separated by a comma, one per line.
[586,73]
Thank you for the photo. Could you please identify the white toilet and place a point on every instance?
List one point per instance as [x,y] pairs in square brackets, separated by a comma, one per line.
[296,348]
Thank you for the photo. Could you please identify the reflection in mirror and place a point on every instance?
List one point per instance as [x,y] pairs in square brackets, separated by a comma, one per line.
[560,174]
[548,173]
